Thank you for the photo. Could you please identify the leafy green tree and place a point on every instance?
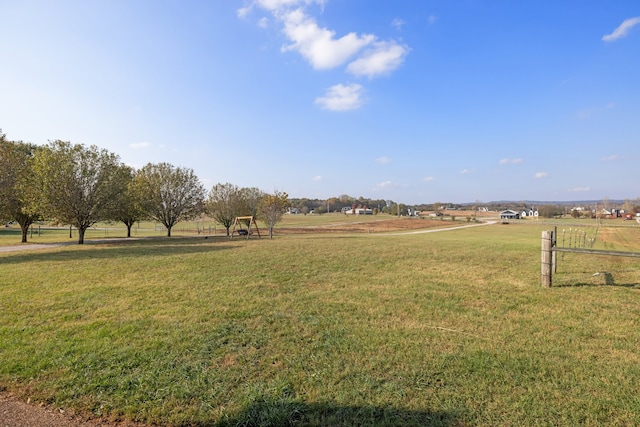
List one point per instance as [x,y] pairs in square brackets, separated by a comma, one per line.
[250,199]
[333,204]
[272,208]
[225,203]
[320,210]
[169,194]
[78,185]
[16,184]
[550,211]
[129,209]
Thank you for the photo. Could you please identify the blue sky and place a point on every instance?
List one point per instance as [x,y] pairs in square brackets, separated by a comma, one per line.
[414,101]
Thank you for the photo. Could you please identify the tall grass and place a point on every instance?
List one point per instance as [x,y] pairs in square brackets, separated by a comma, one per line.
[447,328]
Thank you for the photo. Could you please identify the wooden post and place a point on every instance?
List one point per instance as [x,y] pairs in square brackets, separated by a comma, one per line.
[554,254]
[546,264]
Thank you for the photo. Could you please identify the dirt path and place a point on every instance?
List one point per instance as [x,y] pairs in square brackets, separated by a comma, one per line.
[14,413]
[29,247]
[435,230]
[35,246]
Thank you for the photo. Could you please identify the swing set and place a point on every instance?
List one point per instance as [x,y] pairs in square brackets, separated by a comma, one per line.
[249,221]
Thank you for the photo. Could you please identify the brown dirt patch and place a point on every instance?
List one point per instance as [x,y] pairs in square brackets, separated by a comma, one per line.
[16,413]
[381,226]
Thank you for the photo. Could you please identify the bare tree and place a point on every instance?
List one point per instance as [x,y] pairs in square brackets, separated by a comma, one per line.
[169,194]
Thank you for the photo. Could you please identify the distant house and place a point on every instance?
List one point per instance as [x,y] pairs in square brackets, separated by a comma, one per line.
[529,213]
[359,211]
[293,211]
[509,214]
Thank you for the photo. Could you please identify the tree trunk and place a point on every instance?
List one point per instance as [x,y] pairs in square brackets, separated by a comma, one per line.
[229,227]
[81,231]
[168,231]
[25,222]
[271,232]
[129,230]
[25,229]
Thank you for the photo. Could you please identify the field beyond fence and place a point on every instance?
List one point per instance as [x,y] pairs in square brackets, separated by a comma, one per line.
[449,328]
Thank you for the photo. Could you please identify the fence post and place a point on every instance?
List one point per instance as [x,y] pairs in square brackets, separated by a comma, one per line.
[554,254]
[546,264]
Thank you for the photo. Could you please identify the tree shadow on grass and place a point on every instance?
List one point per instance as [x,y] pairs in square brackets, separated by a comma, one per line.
[601,279]
[10,231]
[116,248]
[291,413]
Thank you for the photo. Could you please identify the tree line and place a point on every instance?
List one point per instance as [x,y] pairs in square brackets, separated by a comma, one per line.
[80,185]
[335,204]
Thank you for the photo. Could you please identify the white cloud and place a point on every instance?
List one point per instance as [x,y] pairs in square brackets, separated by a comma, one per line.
[466,171]
[383,160]
[579,189]
[143,144]
[510,161]
[319,45]
[611,158]
[342,98]
[385,184]
[432,19]
[398,23]
[428,178]
[382,58]
[622,30]
[540,175]
[365,55]
[317,178]
[243,12]
[275,5]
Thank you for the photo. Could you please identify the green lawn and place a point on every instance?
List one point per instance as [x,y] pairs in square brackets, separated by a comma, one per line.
[45,233]
[449,328]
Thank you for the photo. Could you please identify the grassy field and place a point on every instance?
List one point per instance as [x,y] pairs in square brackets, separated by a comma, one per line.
[449,329]
[45,233]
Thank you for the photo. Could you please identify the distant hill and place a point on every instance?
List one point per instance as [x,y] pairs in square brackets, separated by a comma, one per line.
[541,203]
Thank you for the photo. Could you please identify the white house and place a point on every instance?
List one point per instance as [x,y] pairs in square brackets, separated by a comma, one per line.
[359,211]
